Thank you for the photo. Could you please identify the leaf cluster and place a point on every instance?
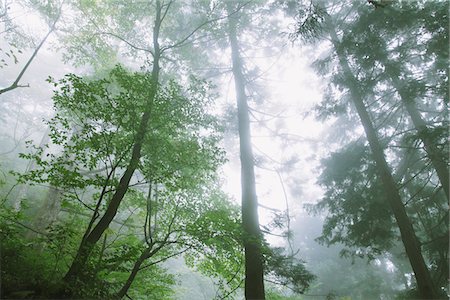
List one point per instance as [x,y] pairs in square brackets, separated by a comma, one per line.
[287,270]
[357,213]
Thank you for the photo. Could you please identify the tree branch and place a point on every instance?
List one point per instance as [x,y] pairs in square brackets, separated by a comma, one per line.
[16,84]
[183,40]
[164,259]
[125,41]
[166,10]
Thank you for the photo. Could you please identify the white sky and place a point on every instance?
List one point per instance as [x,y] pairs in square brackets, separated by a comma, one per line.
[294,88]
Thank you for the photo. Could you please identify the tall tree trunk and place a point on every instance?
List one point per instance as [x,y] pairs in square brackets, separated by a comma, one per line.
[92,237]
[408,236]
[436,156]
[254,271]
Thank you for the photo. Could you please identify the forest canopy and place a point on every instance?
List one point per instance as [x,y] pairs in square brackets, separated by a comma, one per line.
[184,149]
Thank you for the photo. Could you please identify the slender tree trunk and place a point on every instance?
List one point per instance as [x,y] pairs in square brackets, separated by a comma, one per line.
[148,252]
[436,157]
[408,236]
[254,271]
[137,265]
[92,237]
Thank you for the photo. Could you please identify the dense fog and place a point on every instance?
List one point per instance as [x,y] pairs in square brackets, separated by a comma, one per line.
[203,149]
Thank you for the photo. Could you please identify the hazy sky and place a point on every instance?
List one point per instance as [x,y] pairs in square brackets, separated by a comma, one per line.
[291,89]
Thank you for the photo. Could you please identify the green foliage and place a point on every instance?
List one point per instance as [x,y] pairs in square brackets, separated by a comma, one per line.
[287,270]
[218,254]
[396,59]
[92,133]
[96,123]
[102,33]
[32,267]
[309,20]
[358,214]
[153,283]
[330,106]
[112,268]
[9,54]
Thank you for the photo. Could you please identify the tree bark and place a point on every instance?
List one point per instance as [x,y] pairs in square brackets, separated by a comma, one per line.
[87,244]
[254,271]
[408,236]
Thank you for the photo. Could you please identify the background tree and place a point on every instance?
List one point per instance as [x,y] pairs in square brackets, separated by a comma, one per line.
[254,272]
[367,84]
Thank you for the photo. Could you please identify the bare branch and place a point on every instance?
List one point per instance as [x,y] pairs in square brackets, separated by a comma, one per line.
[167,9]
[16,84]
[125,41]
[187,37]
[164,258]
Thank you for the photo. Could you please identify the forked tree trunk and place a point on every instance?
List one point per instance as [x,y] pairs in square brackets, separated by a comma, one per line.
[408,236]
[136,267]
[91,238]
[254,271]
[147,253]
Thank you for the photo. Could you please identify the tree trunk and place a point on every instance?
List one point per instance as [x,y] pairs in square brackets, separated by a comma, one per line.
[137,265]
[437,158]
[254,271]
[148,252]
[409,239]
[92,237]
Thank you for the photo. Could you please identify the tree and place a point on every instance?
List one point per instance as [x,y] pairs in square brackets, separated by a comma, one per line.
[92,236]
[105,33]
[254,271]
[405,67]
[409,237]
[186,223]
[357,93]
[407,232]
[174,151]
[413,87]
